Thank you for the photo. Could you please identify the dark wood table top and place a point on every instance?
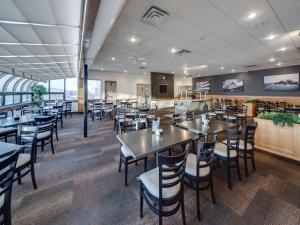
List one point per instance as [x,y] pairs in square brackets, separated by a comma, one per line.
[196,126]
[10,121]
[144,142]
[8,148]
[7,130]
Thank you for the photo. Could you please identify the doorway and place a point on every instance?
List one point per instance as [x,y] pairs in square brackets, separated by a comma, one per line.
[143,94]
[111,91]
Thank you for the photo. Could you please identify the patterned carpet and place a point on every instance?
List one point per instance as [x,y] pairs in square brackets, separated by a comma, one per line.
[80,185]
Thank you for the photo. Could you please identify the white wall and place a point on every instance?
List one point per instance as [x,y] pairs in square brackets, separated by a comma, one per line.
[126,83]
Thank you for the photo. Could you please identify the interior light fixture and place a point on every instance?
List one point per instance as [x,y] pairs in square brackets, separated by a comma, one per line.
[101,69]
[133,39]
[125,71]
[35,24]
[143,63]
[282,49]
[222,68]
[196,67]
[279,64]
[145,73]
[271,36]
[271,59]
[251,15]
[233,70]
[113,58]
[173,50]
[185,72]
[38,44]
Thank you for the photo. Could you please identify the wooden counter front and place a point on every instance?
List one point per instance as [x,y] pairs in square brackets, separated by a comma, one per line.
[283,141]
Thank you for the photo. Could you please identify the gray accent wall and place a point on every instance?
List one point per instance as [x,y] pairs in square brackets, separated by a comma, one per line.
[253,82]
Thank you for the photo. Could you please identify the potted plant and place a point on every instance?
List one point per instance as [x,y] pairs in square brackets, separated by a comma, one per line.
[38,91]
[252,107]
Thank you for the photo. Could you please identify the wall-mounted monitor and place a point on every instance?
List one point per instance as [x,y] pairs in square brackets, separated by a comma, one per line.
[285,82]
[233,85]
[163,89]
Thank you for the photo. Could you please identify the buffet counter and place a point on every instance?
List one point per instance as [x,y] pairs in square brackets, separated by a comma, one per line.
[197,106]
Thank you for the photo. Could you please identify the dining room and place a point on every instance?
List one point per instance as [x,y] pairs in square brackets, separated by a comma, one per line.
[131,112]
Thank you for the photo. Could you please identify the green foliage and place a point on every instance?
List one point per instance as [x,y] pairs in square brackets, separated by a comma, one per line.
[38,92]
[254,101]
[281,119]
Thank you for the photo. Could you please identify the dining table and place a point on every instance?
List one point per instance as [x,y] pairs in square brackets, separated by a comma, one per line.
[144,142]
[25,119]
[8,148]
[197,126]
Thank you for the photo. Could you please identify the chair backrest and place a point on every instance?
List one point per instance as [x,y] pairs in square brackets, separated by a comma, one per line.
[190,115]
[27,136]
[233,139]
[205,153]
[244,109]
[176,118]
[171,169]
[7,170]
[3,115]
[68,105]
[45,123]
[249,134]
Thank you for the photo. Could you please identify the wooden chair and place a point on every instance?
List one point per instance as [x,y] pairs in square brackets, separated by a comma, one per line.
[246,146]
[228,152]
[162,188]
[58,110]
[199,170]
[176,118]
[45,131]
[190,115]
[27,136]
[96,111]
[7,170]
[242,115]
[126,158]
[68,109]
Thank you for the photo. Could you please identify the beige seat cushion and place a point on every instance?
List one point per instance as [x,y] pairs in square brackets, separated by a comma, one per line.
[221,150]
[23,158]
[229,117]
[150,180]
[1,198]
[241,115]
[43,135]
[125,151]
[191,166]
[241,146]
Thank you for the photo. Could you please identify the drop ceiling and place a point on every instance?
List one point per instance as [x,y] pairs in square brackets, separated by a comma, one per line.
[217,32]
[40,38]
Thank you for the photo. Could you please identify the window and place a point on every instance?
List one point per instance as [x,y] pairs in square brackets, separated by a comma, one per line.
[94,89]
[71,89]
[57,85]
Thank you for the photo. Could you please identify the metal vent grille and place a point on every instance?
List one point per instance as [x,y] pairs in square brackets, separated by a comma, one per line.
[142,67]
[183,52]
[250,66]
[155,16]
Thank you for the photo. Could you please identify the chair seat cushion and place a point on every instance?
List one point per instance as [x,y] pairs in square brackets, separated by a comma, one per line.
[241,115]
[43,135]
[211,114]
[191,166]
[125,151]
[241,146]
[219,112]
[150,180]
[23,158]
[229,117]
[221,150]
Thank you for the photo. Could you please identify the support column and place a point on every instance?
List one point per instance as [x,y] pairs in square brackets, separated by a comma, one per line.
[85,102]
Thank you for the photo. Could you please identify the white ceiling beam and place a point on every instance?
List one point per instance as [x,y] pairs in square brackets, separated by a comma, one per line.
[108,12]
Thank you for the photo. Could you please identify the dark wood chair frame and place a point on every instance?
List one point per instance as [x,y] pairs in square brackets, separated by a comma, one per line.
[249,137]
[205,152]
[232,143]
[68,109]
[175,164]
[7,168]
[29,140]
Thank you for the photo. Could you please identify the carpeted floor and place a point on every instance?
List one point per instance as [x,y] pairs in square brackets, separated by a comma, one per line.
[80,185]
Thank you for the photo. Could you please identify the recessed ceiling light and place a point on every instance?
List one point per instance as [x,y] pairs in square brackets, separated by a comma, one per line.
[113,58]
[233,70]
[143,63]
[282,49]
[222,68]
[173,50]
[279,64]
[125,71]
[145,73]
[185,72]
[198,75]
[271,59]
[251,15]
[173,72]
[271,36]
[133,39]
[101,69]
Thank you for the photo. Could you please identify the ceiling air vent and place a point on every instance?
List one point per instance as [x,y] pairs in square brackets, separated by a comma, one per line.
[142,67]
[183,52]
[155,16]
